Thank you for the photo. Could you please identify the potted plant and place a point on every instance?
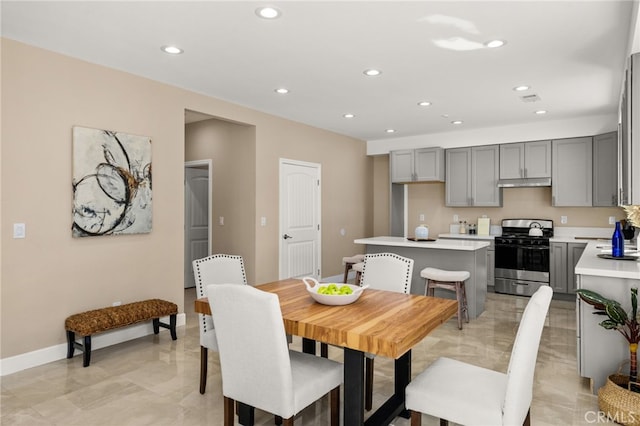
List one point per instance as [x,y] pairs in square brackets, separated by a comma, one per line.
[619,398]
[619,320]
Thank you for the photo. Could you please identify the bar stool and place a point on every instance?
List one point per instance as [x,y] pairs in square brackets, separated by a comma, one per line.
[348,263]
[358,267]
[448,280]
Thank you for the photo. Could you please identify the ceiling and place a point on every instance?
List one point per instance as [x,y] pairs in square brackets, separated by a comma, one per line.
[571,54]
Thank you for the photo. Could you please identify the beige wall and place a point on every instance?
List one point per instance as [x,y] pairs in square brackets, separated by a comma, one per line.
[50,275]
[231,148]
[428,199]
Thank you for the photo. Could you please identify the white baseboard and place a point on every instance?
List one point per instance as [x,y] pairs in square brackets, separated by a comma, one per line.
[54,353]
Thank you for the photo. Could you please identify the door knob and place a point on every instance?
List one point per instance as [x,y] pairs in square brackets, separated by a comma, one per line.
[286,236]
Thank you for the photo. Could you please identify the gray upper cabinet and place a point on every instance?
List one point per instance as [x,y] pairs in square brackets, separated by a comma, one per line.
[458,177]
[605,170]
[417,165]
[472,176]
[525,160]
[572,171]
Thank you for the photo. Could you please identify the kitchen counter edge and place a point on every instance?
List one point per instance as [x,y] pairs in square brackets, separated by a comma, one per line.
[461,245]
[591,264]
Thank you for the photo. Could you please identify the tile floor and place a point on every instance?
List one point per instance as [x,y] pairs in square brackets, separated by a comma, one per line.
[154,380]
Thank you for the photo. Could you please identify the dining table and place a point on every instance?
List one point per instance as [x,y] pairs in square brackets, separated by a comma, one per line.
[383,323]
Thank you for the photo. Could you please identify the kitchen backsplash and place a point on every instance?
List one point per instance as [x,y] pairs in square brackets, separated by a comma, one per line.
[535,203]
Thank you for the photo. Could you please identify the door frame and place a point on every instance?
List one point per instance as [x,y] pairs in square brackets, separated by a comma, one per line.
[201,164]
[318,167]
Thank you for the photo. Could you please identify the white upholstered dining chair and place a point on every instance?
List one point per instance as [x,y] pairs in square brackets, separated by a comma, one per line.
[258,369]
[214,269]
[383,271]
[469,395]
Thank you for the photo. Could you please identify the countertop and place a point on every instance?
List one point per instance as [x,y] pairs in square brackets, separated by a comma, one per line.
[473,237]
[591,264]
[461,245]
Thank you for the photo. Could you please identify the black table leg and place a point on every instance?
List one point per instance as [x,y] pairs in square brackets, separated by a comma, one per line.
[353,387]
[308,346]
[402,379]
[394,406]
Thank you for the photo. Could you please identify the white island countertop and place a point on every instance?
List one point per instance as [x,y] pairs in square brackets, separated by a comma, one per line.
[591,264]
[460,245]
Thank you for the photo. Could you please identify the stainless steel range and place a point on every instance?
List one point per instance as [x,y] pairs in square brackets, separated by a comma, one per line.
[522,256]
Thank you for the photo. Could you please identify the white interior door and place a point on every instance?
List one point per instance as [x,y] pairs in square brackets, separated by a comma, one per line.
[299,219]
[197,217]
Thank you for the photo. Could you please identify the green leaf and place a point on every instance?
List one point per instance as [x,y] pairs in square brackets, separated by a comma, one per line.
[592,298]
[609,324]
[634,302]
[615,312]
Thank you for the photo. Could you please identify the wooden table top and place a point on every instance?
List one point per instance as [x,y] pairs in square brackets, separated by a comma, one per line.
[379,322]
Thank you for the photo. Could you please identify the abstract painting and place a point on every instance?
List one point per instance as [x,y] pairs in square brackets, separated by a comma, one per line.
[111,183]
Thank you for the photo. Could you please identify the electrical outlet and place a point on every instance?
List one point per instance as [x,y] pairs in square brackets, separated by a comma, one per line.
[263,221]
[118,303]
[612,220]
[221,220]
[421,219]
[456,219]
[563,219]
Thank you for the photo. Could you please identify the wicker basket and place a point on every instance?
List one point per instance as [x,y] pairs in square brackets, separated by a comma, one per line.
[618,402]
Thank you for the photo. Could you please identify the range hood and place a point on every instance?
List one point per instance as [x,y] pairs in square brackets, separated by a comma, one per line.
[518,183]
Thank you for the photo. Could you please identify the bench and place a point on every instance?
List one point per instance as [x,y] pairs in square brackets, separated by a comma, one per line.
[99,320]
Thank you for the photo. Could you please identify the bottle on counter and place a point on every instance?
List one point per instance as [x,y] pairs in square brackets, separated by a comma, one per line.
[617,242]
[463,227]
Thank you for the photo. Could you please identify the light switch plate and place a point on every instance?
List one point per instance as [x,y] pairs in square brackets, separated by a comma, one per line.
[612,220]
[563,219]
[19,230]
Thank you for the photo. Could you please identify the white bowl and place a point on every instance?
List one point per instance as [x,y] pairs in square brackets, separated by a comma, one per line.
[331,299]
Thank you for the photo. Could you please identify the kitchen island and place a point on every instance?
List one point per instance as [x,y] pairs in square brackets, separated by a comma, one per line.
[454,255]
[601,351]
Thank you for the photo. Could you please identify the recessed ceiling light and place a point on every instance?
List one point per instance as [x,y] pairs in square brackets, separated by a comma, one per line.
[424,103]
[541,112]
[372,72]
[495,43]
[456,122]
[268,12]
[282,91]
[445,116]
[390,130]
[521,88]
[172,50]
[348,115]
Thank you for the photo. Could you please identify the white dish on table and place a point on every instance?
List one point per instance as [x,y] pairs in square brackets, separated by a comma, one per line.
[332,299]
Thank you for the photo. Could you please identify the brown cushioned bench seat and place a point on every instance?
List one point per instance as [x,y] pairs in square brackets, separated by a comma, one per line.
[100,320]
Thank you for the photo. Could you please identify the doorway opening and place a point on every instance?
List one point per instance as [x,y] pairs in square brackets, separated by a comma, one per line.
[198,186]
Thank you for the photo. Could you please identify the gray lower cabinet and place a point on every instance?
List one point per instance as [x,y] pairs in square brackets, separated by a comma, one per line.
[471,177]
[491,265]
[572,172]
[491,257]
[563,258]
[574,251]
[558,267]
[605,170]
